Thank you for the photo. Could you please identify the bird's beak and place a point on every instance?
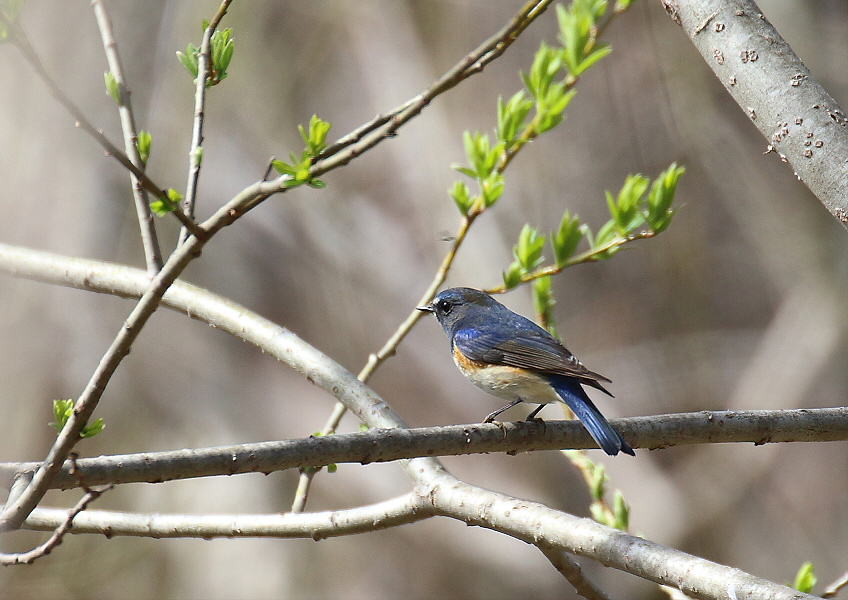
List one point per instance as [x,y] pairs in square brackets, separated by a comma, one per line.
[427,308]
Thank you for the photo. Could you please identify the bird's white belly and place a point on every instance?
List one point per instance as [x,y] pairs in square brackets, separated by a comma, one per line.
[510,384]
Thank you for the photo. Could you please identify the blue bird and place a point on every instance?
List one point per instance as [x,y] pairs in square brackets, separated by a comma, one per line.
[511,357]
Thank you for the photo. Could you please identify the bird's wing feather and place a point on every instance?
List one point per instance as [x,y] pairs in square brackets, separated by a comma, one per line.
[525,349]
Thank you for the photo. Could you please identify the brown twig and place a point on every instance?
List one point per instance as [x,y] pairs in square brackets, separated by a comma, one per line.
[27,558]
[149,239]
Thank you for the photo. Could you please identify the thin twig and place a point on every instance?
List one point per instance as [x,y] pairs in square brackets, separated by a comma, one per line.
[203,64]
[388,350]
[15,513]
[149,239]
[386,126]
[21,41]
[27,558]
[833,589]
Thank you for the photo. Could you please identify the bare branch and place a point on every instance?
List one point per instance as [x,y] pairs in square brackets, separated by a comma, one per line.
[27,558]
[385,126]
[142,207]
[384,445]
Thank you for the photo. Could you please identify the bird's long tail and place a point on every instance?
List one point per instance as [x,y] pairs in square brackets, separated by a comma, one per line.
[599,428]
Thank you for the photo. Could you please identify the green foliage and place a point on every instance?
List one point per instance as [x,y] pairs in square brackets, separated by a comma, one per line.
[565,239]
[483,159]
[113,88]
[166,204]
[62,411]
[298,169]
[578,33]
[144,143]
[642,209]
[221,53]
[544,303]
[528,255]
[805,579]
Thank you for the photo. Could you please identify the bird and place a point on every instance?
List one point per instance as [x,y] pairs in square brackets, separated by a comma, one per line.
[513,358]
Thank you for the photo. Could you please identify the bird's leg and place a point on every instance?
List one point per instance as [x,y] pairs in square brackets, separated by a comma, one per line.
[494,414]
[535,412]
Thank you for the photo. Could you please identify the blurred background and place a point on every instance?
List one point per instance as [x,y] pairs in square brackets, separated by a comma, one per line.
[740,305]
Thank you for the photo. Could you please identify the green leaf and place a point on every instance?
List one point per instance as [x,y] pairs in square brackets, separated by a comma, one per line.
[93,429]
[661,196]
[599,513]
[62,411]
[528,250]
[512,116]
[461,196]
[283,168]
[317,184]
[621,512]
[492,188]
[113,88]
[189,58]
[144,144]
[222,48]
[598,486]
[566,239]
[316,137]
[512,276]
[166,204]
[544,303]
[626,209]
[806,578]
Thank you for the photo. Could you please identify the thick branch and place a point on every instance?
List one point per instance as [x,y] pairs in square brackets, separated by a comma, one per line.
[798,118]
[383,445]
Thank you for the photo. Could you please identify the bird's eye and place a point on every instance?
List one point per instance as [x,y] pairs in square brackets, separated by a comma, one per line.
[444,306]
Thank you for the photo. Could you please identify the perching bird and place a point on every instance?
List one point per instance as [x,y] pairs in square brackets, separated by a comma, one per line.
[511,357]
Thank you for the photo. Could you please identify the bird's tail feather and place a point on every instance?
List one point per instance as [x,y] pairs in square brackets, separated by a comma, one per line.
[599,428]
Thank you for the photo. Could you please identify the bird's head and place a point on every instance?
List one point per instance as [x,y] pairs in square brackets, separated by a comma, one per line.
[454,304]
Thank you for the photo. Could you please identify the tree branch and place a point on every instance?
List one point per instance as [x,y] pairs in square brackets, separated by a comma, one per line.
[754,63]
[149,239]
[384,445]
[203,64]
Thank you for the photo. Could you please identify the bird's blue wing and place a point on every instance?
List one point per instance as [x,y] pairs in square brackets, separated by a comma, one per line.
[524,347]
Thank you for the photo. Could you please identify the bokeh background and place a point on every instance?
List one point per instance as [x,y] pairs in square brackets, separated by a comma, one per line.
[740,305]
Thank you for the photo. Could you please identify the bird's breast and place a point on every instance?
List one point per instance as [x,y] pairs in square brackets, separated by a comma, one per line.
[508,383]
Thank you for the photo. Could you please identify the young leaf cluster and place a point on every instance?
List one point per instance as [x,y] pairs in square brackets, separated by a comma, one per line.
[113,88]
[806,578]
[62,411]
[641,210]
[483,159]
[617,515]
[578,27]
[298,169]
[538,108]
[167,203]
[221,53]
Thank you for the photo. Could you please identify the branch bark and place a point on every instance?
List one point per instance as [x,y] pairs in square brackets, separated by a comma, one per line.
[801,122]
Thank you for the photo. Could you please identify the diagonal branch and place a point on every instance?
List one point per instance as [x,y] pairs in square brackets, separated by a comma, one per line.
[801,122]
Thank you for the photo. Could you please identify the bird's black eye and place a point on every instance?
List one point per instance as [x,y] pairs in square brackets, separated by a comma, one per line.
[444,307]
